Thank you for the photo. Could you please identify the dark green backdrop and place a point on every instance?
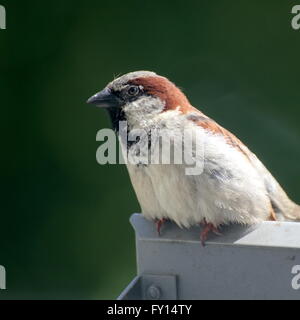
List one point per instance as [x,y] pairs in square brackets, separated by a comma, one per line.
[64,230]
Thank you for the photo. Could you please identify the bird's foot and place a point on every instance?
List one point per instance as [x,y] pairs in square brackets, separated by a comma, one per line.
[207,228]
[159,223]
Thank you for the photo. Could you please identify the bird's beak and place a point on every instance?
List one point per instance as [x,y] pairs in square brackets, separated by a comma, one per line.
[105,99]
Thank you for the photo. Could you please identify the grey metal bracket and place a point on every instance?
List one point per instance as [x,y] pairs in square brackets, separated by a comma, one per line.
[244,263]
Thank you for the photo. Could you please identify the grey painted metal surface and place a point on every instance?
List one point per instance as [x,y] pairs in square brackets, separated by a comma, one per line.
[243,263]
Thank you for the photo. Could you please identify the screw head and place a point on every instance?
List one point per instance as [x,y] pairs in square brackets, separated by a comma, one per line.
[153,292]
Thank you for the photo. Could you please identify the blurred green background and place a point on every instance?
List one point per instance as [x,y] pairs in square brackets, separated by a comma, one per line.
[64,218]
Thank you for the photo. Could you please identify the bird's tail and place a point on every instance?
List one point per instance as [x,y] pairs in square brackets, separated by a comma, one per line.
[283,206]
[293,214]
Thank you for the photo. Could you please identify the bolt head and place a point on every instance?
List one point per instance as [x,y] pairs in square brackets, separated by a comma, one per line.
[153,292]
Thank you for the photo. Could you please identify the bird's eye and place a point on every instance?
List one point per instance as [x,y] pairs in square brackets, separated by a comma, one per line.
[133,91]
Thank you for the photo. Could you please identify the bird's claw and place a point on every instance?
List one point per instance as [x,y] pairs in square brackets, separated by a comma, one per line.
[207,228]
[159,223]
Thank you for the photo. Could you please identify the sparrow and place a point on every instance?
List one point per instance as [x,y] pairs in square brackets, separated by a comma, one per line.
[233,185]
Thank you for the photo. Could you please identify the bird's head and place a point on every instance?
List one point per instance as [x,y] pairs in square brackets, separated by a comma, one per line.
[138,96]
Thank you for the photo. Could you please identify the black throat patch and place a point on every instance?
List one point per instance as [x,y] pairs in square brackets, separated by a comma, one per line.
[116,115]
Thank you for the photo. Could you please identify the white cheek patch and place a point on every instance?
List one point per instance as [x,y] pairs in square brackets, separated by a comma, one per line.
[140,113]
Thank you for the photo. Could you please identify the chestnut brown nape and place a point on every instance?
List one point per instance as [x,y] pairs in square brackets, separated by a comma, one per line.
[164,89]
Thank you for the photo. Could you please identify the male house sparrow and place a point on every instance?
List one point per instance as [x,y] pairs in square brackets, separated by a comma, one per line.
[233,187]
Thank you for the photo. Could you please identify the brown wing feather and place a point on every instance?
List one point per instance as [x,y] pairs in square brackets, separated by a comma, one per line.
[205,122]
